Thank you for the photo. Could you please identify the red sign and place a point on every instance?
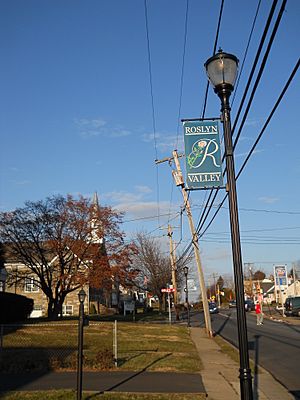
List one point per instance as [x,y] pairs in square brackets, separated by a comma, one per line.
[168,290]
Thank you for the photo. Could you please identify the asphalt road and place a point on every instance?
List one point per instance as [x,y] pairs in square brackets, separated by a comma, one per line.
[274,345]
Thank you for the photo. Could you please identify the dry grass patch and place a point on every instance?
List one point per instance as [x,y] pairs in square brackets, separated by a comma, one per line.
[140,346]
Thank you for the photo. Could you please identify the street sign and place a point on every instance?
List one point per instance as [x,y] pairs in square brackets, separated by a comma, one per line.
[280,274]
[202,154]
[168,290]
[280,281]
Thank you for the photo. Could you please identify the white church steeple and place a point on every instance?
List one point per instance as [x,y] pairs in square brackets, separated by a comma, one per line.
[95,222]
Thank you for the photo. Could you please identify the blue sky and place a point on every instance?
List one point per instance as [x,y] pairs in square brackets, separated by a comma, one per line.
[77,117]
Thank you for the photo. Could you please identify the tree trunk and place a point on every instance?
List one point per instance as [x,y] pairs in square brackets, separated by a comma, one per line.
[161,302]
[50,308]
[55,308]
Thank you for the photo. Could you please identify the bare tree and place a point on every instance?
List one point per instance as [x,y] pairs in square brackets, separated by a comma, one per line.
[65,243]
[154,267]
[295,270]
[228,281]
[2,256]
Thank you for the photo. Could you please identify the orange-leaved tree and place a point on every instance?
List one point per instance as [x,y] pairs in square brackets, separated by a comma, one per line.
[65,243]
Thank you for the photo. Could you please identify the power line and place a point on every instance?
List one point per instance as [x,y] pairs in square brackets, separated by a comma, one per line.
[258,210]
[258,242]
[247,159]
[260,72]
[241,209]
[266,55]
[271,229]
[259,237]
[255,62]
[214,192]
[214,51]
[182,70]
[257,140]
[181,86]
[256,230]
[150,217]
[270,116]
[152,103]
[246,52]
[272,262]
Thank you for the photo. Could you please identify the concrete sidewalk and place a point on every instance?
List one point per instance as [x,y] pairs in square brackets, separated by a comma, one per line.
[220,374]
[110,381]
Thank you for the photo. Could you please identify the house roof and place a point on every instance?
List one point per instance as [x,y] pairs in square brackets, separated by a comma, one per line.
[11,257]
[266,286]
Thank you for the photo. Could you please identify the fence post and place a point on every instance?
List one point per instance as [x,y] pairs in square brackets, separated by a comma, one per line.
[1,336]
[115,343]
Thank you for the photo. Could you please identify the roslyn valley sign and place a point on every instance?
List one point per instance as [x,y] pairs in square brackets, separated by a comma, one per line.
[202,154]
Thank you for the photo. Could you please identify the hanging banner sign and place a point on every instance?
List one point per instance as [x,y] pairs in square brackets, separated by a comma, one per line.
[202,154]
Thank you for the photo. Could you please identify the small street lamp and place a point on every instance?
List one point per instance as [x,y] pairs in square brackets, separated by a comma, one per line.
[3,278]
[186,271]
[81,297]
[221,70]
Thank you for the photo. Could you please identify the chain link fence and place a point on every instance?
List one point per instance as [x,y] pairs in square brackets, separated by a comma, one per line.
[54,346]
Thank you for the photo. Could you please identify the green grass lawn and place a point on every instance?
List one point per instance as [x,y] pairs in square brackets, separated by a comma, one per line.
[71,395]
[233,353]
[152,347]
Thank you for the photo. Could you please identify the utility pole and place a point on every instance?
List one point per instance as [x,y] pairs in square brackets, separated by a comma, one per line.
[218,294]
[214,275]
[217,289]
[294,279]
[177,175]
[250,267]
[173,264]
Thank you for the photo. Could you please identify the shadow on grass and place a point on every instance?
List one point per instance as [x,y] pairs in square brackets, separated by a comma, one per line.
[137,353]
[23,365]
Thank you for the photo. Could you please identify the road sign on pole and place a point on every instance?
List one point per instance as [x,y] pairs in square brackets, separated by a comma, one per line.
[168,290]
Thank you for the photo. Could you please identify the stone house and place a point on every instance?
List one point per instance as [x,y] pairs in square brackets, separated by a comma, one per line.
[20,280]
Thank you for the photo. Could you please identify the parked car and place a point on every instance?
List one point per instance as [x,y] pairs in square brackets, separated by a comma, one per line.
[232,303]
[292,306]
[213,308]
[249,305]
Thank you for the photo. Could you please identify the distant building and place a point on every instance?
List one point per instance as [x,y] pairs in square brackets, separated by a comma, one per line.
[293,289]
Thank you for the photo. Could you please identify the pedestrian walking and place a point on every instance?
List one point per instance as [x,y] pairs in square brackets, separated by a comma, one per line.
[259,313]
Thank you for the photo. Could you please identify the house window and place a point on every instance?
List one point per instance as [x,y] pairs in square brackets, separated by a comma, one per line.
[67,310]
[30,285]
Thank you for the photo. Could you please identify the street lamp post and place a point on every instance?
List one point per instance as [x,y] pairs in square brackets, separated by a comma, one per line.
[186,271]
[3,279]
[222,70]
[81,297]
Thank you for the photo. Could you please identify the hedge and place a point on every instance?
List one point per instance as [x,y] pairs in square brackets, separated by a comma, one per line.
[14,307]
